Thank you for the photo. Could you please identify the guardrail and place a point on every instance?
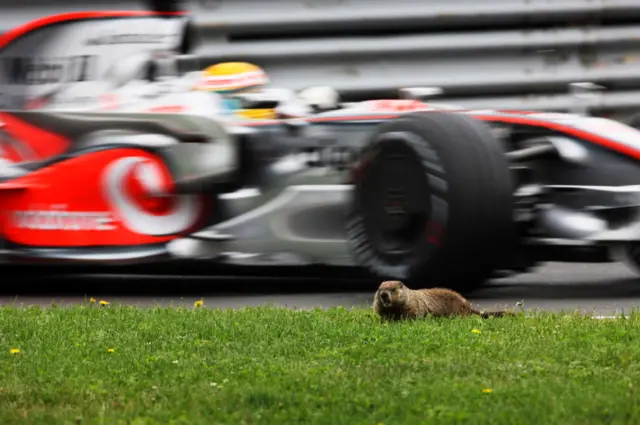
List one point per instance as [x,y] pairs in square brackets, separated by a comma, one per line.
[509,53]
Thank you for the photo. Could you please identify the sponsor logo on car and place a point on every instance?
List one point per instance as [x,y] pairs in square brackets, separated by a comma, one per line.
[34,70]
[129,38]
[397,105]
[338,157]
[63,220]
[130,183]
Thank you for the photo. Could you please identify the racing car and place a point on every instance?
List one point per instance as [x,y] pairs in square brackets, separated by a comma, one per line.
[402,188]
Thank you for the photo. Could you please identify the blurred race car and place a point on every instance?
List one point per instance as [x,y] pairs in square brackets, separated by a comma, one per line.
[111,155]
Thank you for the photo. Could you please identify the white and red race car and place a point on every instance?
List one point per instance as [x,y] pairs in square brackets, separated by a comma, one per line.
[109,157]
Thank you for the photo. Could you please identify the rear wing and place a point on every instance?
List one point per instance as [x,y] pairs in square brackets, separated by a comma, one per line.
[80,50]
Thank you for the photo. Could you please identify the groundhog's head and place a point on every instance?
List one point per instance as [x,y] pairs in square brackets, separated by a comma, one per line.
[392,293]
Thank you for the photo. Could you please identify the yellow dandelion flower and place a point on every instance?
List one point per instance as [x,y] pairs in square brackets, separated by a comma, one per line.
[198,303]
[14,351]
[110,350]
[92,300]
[487,390]
[475,331]
[103,302]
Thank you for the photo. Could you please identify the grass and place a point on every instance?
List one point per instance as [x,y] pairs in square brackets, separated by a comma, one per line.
[124,365]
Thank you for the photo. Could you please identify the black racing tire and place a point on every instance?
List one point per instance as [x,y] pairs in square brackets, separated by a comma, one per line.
[456,210]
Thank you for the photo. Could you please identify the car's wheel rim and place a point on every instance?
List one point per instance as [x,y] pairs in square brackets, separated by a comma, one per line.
[395,200]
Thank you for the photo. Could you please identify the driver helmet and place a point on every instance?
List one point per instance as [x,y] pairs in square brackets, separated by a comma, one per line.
[232,77]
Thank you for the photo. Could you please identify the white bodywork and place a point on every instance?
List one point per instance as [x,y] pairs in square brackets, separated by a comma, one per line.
[175,94]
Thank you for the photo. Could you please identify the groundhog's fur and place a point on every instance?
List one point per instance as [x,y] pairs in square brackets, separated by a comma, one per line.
[395,301]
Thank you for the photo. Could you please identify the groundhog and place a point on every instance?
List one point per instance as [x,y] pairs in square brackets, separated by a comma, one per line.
[395,301]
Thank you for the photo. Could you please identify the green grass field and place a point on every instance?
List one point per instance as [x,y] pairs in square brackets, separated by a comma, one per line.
[121,365]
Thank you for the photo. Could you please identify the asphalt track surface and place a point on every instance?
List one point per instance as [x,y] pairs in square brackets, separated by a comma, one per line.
[604,289]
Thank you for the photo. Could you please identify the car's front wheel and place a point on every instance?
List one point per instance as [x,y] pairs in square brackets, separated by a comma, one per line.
[432,202]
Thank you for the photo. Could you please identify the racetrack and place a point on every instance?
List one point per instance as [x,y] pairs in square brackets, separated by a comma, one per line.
[603,288]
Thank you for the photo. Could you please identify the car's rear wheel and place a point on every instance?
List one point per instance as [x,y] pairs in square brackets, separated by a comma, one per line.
[432,202]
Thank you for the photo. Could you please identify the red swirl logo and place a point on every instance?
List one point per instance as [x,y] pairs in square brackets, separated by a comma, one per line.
[140,193]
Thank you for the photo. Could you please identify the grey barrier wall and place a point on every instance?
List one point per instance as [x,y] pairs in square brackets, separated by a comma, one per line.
[483,53]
